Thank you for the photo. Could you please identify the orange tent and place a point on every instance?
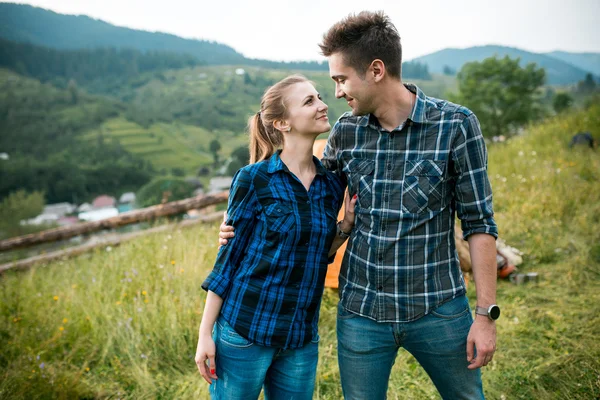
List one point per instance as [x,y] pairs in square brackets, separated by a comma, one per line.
[331,280]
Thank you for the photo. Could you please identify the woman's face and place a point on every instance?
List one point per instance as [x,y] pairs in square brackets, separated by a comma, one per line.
[306,111]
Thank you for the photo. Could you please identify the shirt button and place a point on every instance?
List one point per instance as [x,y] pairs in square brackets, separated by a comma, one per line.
[306,244]
[308,202]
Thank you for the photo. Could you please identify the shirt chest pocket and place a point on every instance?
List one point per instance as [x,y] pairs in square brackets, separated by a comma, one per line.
[279,217]
[424,186]
[360,180]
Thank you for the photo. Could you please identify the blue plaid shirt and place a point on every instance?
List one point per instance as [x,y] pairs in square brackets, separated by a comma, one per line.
[401,260]
[271,274]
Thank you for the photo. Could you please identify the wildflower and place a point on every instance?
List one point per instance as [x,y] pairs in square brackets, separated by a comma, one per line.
[144,292]
[87,369]
[42,365]
[73,286]
[65,320]
[146,301]
[108,249]
[172,262]
[521,153]
[55,298]
[118,303]
[181,270]
[60,328]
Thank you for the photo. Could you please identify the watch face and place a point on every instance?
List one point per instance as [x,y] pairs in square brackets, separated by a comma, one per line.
[494,312]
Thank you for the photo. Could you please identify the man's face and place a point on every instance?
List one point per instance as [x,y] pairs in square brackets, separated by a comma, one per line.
[355,89]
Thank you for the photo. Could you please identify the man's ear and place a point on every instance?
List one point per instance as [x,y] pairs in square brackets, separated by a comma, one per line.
[377,70]
[281,126]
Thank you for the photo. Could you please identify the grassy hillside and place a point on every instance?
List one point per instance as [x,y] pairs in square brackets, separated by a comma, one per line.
[167,146]
[122,322]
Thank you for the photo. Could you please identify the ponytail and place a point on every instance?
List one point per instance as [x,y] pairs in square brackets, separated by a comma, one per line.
[265,139]
[262,143]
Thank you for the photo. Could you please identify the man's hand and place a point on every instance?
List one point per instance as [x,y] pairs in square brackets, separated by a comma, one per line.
[482,337]
[225,232]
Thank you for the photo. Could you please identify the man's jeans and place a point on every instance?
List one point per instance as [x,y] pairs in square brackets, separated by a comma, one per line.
[243,368]
[367,350]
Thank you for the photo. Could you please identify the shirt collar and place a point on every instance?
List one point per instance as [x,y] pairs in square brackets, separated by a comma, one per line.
[416,115]
[275,164]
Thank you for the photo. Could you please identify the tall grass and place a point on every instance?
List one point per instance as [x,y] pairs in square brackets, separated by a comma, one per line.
[122,322]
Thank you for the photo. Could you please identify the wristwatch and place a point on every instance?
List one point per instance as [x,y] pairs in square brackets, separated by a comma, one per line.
[492,312]
[340,233]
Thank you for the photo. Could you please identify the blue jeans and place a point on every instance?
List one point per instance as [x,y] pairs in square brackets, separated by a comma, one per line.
[367,351]
[244,368]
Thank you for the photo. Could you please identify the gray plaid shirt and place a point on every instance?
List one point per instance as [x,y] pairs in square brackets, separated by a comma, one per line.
[401,260]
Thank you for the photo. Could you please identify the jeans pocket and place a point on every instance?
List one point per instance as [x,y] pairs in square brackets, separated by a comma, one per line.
[452,309]
[229,337]
[342,313]
[316,339]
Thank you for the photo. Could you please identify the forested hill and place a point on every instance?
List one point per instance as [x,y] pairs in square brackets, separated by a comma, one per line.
[26,24]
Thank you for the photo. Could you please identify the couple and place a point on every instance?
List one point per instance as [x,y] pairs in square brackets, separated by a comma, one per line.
[410,162]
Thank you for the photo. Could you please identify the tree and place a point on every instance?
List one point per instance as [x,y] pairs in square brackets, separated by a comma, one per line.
[502,94]
[562,102]
[18,206]
[588,85]
[449,70]
[214,148]
[163,190]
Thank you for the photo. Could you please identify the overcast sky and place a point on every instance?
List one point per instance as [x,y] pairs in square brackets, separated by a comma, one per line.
[290,30]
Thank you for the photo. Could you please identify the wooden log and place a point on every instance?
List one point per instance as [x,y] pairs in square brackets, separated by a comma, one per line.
[109,241]
[131,217]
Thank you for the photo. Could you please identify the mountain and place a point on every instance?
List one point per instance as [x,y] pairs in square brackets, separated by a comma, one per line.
[24,23]
[558,72]
[587,61]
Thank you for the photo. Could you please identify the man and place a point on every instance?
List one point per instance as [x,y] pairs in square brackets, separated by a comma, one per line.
[414,161]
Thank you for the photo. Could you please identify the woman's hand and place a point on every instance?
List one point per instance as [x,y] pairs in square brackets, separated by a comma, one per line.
[348,221]
[205,352]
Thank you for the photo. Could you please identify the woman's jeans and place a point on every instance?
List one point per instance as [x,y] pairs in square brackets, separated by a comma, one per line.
[243,368]
[367,350]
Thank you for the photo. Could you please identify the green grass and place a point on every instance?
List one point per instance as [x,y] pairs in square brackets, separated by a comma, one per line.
[123,323]
[167,146]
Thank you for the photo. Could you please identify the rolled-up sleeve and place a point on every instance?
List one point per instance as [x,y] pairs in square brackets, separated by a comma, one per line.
[241,211]
[473,190]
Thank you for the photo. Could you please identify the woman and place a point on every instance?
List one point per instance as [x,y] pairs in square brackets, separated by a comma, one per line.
[265,290]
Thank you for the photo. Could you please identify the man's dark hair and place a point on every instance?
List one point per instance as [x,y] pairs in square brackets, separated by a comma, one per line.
[363,38]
